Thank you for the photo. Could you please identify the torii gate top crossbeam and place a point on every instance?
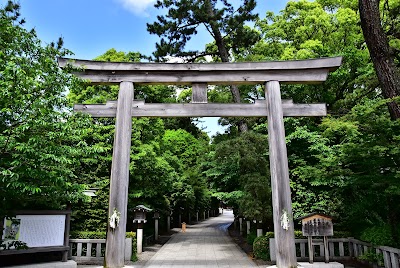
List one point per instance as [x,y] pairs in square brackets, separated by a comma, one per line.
[298,71]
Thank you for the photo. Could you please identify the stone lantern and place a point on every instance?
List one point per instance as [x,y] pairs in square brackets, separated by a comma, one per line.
[140,218]
[259,227]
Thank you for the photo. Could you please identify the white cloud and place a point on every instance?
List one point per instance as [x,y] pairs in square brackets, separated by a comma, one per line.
[137,7]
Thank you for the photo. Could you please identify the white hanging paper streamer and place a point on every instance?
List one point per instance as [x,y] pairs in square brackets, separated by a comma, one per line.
[285,220]
[114,219]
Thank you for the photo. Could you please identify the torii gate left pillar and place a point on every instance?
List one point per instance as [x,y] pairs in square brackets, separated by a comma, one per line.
[118,198]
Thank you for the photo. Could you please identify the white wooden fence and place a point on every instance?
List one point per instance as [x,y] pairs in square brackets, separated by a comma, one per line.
[344,249]
[92,250]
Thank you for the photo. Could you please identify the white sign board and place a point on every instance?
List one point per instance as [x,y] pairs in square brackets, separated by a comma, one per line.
[41,230]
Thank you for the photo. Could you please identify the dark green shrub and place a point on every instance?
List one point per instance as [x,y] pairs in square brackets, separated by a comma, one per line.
[261,246]
[372,257]
[341,234]
[379,236]
[87,235]
[250,238]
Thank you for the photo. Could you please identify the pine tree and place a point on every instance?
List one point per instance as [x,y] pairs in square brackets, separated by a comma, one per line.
[224,23]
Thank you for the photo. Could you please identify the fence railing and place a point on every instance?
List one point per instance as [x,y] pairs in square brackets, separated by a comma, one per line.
[345,249]
[93,250]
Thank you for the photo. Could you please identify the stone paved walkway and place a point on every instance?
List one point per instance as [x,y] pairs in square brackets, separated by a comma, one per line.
[205,244]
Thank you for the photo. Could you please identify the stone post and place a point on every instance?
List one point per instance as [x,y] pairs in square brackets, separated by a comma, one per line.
[248,227]
[156,229]
[241,225]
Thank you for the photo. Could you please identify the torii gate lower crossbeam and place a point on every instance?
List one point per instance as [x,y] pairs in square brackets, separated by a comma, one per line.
[201,74]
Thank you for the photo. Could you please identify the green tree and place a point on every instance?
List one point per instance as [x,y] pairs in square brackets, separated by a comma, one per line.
[163,156]
[367,144]
[40,145]
[224,22]
[238,173]
[183,151]
[314,29]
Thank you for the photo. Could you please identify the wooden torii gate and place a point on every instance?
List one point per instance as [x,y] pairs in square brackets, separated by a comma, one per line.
[199,76]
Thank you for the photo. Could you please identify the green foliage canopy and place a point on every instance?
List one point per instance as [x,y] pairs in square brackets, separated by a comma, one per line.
[40,146]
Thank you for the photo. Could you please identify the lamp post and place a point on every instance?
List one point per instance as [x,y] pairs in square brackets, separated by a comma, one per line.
[140,219]
[259,227]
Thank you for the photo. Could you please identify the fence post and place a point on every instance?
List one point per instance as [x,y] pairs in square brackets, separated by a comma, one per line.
[351,250]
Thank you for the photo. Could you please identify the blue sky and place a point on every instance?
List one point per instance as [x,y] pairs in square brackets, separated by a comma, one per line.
[91,27]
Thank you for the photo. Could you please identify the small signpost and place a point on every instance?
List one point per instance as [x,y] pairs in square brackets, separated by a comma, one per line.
[40,230]
[140,219]
[316,224]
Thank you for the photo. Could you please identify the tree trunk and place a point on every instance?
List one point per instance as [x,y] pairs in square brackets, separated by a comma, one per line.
[378,46]
[223,52]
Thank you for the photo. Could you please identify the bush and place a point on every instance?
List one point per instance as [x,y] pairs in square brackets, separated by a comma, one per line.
[341,234]
[298,234]
[250,238]
[372,257]
[87,235]
[379,236]
[261,246]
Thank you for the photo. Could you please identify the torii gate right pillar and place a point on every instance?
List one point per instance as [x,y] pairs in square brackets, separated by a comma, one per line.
[281,197]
